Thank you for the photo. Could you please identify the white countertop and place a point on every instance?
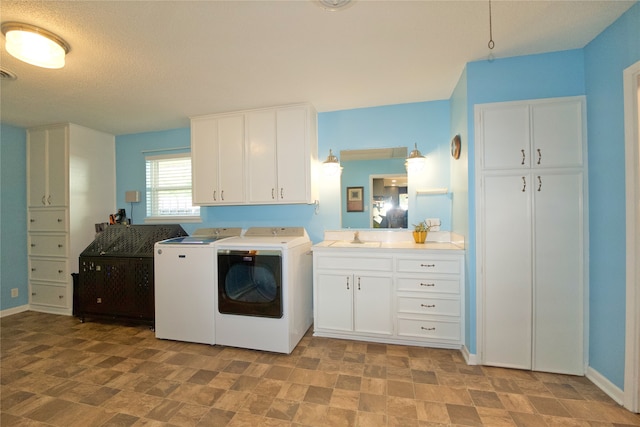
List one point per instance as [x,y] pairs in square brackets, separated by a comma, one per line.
[389,240]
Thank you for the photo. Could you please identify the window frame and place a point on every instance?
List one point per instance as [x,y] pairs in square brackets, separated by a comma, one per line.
[150,215]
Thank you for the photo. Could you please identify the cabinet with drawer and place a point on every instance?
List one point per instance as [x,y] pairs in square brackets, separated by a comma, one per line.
[429,303]
[412,297]
[62,161]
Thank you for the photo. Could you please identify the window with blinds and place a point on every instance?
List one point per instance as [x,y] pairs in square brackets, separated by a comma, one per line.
[169,187]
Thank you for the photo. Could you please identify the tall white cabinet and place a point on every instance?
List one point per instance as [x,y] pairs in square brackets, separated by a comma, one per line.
[70,187]
[531,214]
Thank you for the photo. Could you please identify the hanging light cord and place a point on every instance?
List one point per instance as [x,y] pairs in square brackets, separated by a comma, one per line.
[491,44]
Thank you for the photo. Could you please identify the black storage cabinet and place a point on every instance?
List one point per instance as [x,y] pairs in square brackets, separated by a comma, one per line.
[116,273]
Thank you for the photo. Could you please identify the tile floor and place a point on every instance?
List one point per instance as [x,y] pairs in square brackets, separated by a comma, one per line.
[56,371]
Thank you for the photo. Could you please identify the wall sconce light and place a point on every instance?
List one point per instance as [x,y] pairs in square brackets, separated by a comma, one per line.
[331,166]
[415,161]
[34,45]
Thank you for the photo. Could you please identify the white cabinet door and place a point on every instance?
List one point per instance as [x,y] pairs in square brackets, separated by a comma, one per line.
[58,167]
[231,159]
[48,167]
[372,299]
[204,160]
[558,291]
[293,155]
[557,134]
[505,135]
[334,301]
[37,167]
[217,155]
[507,322]
[261,156]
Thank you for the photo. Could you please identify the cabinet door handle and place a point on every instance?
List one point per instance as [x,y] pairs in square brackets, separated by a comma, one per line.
[524,184]
[273,193]
[427,265]
[539,156]
[427,329]
[428,305]
[214,195]
[282,192]
[44,202]
[427,284]
[358,283]
[222,195]
[347,282]
[539,183]
[49,199]
[523,157]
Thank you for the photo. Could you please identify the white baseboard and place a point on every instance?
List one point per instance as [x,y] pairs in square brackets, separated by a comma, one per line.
[470,358]
[605,385]
[14,310]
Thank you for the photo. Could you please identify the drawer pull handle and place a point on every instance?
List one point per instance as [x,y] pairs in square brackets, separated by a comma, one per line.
[60,271]
[428,305]
[33,245]
[427,284]
[32,220]
[33,269]
[59,219]
[427,329]
[427,265]
[33,294]
[60,296]
[59,245]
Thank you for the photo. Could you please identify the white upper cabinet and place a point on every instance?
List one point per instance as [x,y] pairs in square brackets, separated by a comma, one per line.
[538,135]
[266,156]
[217,159]
[48,155]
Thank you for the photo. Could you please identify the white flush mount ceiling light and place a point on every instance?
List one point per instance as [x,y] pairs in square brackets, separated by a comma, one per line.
[34,45]
[334,5]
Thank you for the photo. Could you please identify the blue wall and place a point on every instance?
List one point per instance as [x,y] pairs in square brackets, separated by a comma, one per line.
[423,123]
[426,123]
[606,57]
[13,216]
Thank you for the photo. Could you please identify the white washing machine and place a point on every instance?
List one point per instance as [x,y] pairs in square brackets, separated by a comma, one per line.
[185,285]
[264,299]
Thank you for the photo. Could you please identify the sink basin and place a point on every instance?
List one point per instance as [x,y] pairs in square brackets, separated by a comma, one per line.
[348,244]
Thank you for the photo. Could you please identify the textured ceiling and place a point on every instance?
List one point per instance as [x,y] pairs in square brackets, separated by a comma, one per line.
[138,66]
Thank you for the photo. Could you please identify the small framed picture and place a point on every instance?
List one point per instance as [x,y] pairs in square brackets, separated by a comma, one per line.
[355,200]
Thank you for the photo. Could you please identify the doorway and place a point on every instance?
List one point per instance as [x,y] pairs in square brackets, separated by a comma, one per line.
[632,182]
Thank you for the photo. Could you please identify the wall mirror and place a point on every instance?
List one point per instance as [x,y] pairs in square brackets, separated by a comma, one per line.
[382,174]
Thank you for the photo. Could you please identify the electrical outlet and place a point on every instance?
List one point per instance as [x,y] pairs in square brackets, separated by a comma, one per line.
[434,223]
[14,292]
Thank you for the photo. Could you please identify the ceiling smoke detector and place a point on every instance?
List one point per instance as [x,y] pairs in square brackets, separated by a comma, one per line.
[334,5]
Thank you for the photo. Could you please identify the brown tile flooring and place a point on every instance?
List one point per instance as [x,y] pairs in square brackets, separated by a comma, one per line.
[56,371]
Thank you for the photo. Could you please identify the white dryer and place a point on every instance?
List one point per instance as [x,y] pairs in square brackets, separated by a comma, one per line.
[264,299]
[185,285]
